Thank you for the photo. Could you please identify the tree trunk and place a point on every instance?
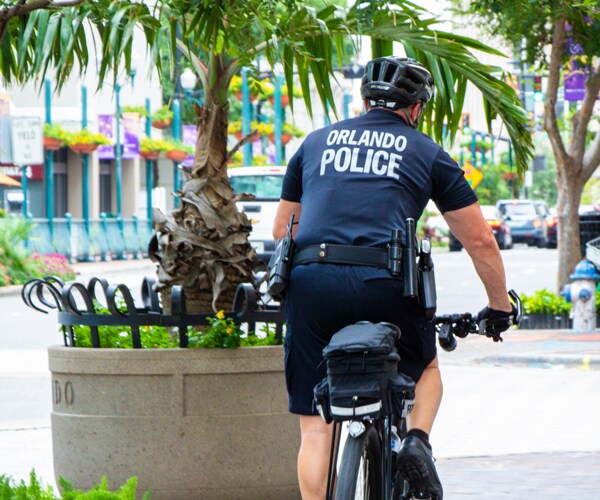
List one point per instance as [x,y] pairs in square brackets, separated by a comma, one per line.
[570,184]
[203,244]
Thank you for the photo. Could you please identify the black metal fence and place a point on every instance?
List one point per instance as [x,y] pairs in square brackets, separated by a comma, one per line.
[589,228]
[76,305]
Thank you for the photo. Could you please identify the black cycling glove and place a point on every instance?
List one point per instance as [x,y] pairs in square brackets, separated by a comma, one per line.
[494,322]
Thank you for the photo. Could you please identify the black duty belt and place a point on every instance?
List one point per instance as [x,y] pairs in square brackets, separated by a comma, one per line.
[343,254]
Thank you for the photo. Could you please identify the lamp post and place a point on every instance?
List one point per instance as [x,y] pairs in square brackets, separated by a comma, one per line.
[118,152]
[149,176]
[118,147]
[49,169]
[278,120]
[177,137]
[246,113]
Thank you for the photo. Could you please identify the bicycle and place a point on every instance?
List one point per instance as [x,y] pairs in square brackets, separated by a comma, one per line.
[368,468]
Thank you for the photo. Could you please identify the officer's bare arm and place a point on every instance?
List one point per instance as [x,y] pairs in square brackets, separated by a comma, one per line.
[476,235]
[284,212]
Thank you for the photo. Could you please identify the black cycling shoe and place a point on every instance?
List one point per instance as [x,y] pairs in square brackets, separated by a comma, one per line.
[415,464]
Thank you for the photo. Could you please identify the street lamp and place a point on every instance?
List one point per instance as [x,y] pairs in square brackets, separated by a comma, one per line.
[188,83]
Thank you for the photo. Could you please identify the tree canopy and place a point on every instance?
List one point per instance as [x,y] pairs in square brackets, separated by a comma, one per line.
[219,37]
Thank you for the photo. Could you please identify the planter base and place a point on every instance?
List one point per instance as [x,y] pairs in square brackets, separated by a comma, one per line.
[188,423]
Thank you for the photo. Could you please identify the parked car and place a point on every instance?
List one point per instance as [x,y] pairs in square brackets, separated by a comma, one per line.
[552,223]
[265,184]
[527,221]
[497,222]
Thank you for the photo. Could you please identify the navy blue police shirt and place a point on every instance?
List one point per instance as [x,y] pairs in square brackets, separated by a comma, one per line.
[359,179]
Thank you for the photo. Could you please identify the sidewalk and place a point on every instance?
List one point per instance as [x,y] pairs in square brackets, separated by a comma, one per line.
[108,269]
[531,348]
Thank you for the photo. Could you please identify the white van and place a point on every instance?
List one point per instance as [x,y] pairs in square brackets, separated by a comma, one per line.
[265,184]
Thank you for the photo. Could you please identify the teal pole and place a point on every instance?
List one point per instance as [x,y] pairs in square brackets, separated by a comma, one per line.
[149,176]
[177,137]
[326,119]
[118,151]
[278,122]
[473,152]
[246,114]
[347,99]
[85,207]
[49,166]
[24,208]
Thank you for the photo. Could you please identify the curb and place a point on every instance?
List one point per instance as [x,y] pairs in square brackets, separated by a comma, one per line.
[84,270]
[10,291]
[578,361]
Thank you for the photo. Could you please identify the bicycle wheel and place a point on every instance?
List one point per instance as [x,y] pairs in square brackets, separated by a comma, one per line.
[360,471]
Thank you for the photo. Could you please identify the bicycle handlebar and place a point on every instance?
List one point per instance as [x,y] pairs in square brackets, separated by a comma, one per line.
[450,326]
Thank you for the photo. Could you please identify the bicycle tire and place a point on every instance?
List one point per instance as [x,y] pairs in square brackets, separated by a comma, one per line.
[361,469]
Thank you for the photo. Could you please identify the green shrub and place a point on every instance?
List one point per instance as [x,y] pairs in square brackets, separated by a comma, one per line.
[222,332]
[10,490]
[545,302]
[17,264]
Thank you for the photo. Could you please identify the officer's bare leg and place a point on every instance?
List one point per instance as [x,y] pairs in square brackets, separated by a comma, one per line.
[427,398]
[313,458]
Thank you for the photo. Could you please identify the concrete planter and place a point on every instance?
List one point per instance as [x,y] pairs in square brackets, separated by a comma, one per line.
[190,424]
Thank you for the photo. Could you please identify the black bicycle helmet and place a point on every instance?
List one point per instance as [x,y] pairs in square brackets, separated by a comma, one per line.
[396,82]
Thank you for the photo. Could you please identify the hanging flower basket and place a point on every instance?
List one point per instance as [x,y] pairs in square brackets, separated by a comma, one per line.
[285,100]
[161,124]
[285,138]
[176,155]
[150,155]
[52,144]
[509,176]
[83,149]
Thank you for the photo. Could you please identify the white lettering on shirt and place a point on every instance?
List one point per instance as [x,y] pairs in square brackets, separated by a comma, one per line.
[342,159]
[327,157]
[381,156]
[332,137]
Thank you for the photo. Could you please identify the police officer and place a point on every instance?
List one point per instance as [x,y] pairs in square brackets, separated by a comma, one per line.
[351,184]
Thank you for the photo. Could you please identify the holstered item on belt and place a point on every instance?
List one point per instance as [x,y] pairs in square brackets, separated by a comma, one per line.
[409,260]
[280,264]
[427,293]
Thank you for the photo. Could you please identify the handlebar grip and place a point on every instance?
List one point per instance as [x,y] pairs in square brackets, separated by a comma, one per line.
[448,344]
[516,301]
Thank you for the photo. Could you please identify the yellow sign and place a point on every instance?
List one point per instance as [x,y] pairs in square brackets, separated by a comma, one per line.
[472,175]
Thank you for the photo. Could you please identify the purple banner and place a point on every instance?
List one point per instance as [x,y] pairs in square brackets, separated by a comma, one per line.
[189,135]
[131,125]
[575,85]
[105,127]
[130,130]
[574,80]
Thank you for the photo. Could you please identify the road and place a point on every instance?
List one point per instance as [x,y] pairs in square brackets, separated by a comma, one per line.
[459,289]
[503,431]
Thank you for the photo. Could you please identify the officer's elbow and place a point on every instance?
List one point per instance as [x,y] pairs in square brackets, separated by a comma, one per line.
[481,241]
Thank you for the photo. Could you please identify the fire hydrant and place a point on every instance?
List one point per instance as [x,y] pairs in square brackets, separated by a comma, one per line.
[582,293]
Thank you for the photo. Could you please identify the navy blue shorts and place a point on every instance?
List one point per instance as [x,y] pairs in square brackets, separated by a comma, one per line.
[324,298]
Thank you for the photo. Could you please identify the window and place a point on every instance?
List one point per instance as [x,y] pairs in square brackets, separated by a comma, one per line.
[106,186]
[60,180]
[264,187]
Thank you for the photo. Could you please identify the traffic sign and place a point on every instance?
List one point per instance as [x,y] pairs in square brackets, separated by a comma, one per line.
[26,135]
[472,175]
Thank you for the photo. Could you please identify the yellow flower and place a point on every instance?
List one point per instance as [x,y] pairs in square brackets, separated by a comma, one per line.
[228,330]
[220,315]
